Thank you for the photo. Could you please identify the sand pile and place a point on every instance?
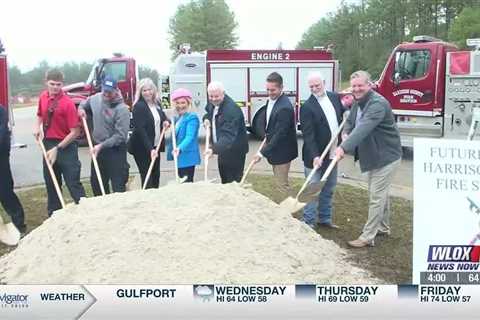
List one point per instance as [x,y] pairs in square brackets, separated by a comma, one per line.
[178,234]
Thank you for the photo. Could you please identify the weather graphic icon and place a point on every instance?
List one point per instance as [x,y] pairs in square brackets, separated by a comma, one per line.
[203,292]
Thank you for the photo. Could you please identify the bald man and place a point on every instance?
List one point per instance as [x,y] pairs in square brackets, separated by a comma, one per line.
[320,117]
[228,133]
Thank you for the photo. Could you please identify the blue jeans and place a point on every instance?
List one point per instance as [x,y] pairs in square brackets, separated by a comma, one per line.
[320,209]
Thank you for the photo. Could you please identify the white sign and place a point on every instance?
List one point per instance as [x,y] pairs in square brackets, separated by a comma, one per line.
[446,206]
[473,42]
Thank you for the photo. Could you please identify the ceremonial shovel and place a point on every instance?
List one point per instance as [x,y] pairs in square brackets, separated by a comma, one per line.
[94,157]
[252,163]
[152,162]
[175,160]
[308,191]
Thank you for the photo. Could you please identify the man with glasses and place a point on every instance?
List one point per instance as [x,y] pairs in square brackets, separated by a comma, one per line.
[111,122]
[320,117]
[57,124]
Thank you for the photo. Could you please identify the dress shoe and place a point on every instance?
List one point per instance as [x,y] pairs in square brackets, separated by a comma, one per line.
[383,233]
[359,243]
[328,225]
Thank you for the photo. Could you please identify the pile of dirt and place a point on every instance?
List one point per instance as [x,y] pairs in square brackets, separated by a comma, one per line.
[178,234]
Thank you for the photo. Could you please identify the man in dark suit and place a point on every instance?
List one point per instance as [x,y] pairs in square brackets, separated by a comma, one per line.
[228,133]
[8,198]
[320,117]
[281,133]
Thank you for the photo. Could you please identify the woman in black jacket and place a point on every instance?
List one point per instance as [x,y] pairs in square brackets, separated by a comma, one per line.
[148,120]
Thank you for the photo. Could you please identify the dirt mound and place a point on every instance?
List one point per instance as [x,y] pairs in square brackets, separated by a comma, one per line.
[178,234]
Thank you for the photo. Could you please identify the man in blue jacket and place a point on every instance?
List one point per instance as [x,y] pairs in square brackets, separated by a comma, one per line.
[8,198]
[372,135]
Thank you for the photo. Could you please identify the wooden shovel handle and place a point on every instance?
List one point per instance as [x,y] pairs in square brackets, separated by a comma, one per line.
[252,163]
[52,173]
[330,168]
[152,161]
[94,158]
[324,153]
[174,144]
[207,146]
[332,139]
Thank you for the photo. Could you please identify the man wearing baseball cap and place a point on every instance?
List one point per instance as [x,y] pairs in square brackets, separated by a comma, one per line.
[111,122]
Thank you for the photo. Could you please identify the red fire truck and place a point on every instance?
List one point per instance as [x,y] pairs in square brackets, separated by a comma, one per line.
[3,78]
[4,95]
[433,88]
[122,68]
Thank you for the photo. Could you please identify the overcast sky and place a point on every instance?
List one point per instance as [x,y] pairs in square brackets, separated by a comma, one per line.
[59,31]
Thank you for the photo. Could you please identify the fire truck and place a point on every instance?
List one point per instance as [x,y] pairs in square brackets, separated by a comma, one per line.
[433,88]
[122,68]
[243,73]
[3,78]
[4,96]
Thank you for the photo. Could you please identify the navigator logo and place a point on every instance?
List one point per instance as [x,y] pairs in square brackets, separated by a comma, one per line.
[13,300]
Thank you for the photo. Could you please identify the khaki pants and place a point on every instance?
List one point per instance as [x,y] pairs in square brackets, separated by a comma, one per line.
[379,182]
[280,175]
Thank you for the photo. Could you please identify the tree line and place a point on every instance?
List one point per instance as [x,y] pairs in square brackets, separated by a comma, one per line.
[363,34]
[30,83]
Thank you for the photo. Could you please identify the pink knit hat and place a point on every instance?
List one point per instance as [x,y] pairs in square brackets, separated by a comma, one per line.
[181,93]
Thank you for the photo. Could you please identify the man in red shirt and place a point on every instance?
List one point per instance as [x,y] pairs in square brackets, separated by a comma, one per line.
[57,118]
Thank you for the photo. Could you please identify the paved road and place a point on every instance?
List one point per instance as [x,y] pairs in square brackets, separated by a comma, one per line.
[27,165]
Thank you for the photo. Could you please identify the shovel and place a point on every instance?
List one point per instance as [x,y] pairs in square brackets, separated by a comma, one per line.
[9,234]
[94,158]
[152,162]
[302,198]
[207,146]
[52,173]
[175,160]
[304,194]
[252,163]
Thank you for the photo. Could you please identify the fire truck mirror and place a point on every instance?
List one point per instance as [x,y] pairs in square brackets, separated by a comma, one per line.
[396,79]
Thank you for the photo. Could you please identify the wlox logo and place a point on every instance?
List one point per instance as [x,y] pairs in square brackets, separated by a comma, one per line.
[14,300]
[453,253]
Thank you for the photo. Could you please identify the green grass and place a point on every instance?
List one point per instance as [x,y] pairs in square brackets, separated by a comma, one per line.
[389,260]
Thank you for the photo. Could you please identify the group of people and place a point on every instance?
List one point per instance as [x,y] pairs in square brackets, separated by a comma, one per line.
[370,134]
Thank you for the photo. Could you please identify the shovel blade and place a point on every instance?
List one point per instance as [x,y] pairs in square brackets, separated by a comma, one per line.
[311,191]
[182,179]
[9,234]
[292,205]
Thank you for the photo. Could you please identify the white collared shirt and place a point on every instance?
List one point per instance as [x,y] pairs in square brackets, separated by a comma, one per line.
[214,129]
[157,124]
[331,115]
[270,105]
